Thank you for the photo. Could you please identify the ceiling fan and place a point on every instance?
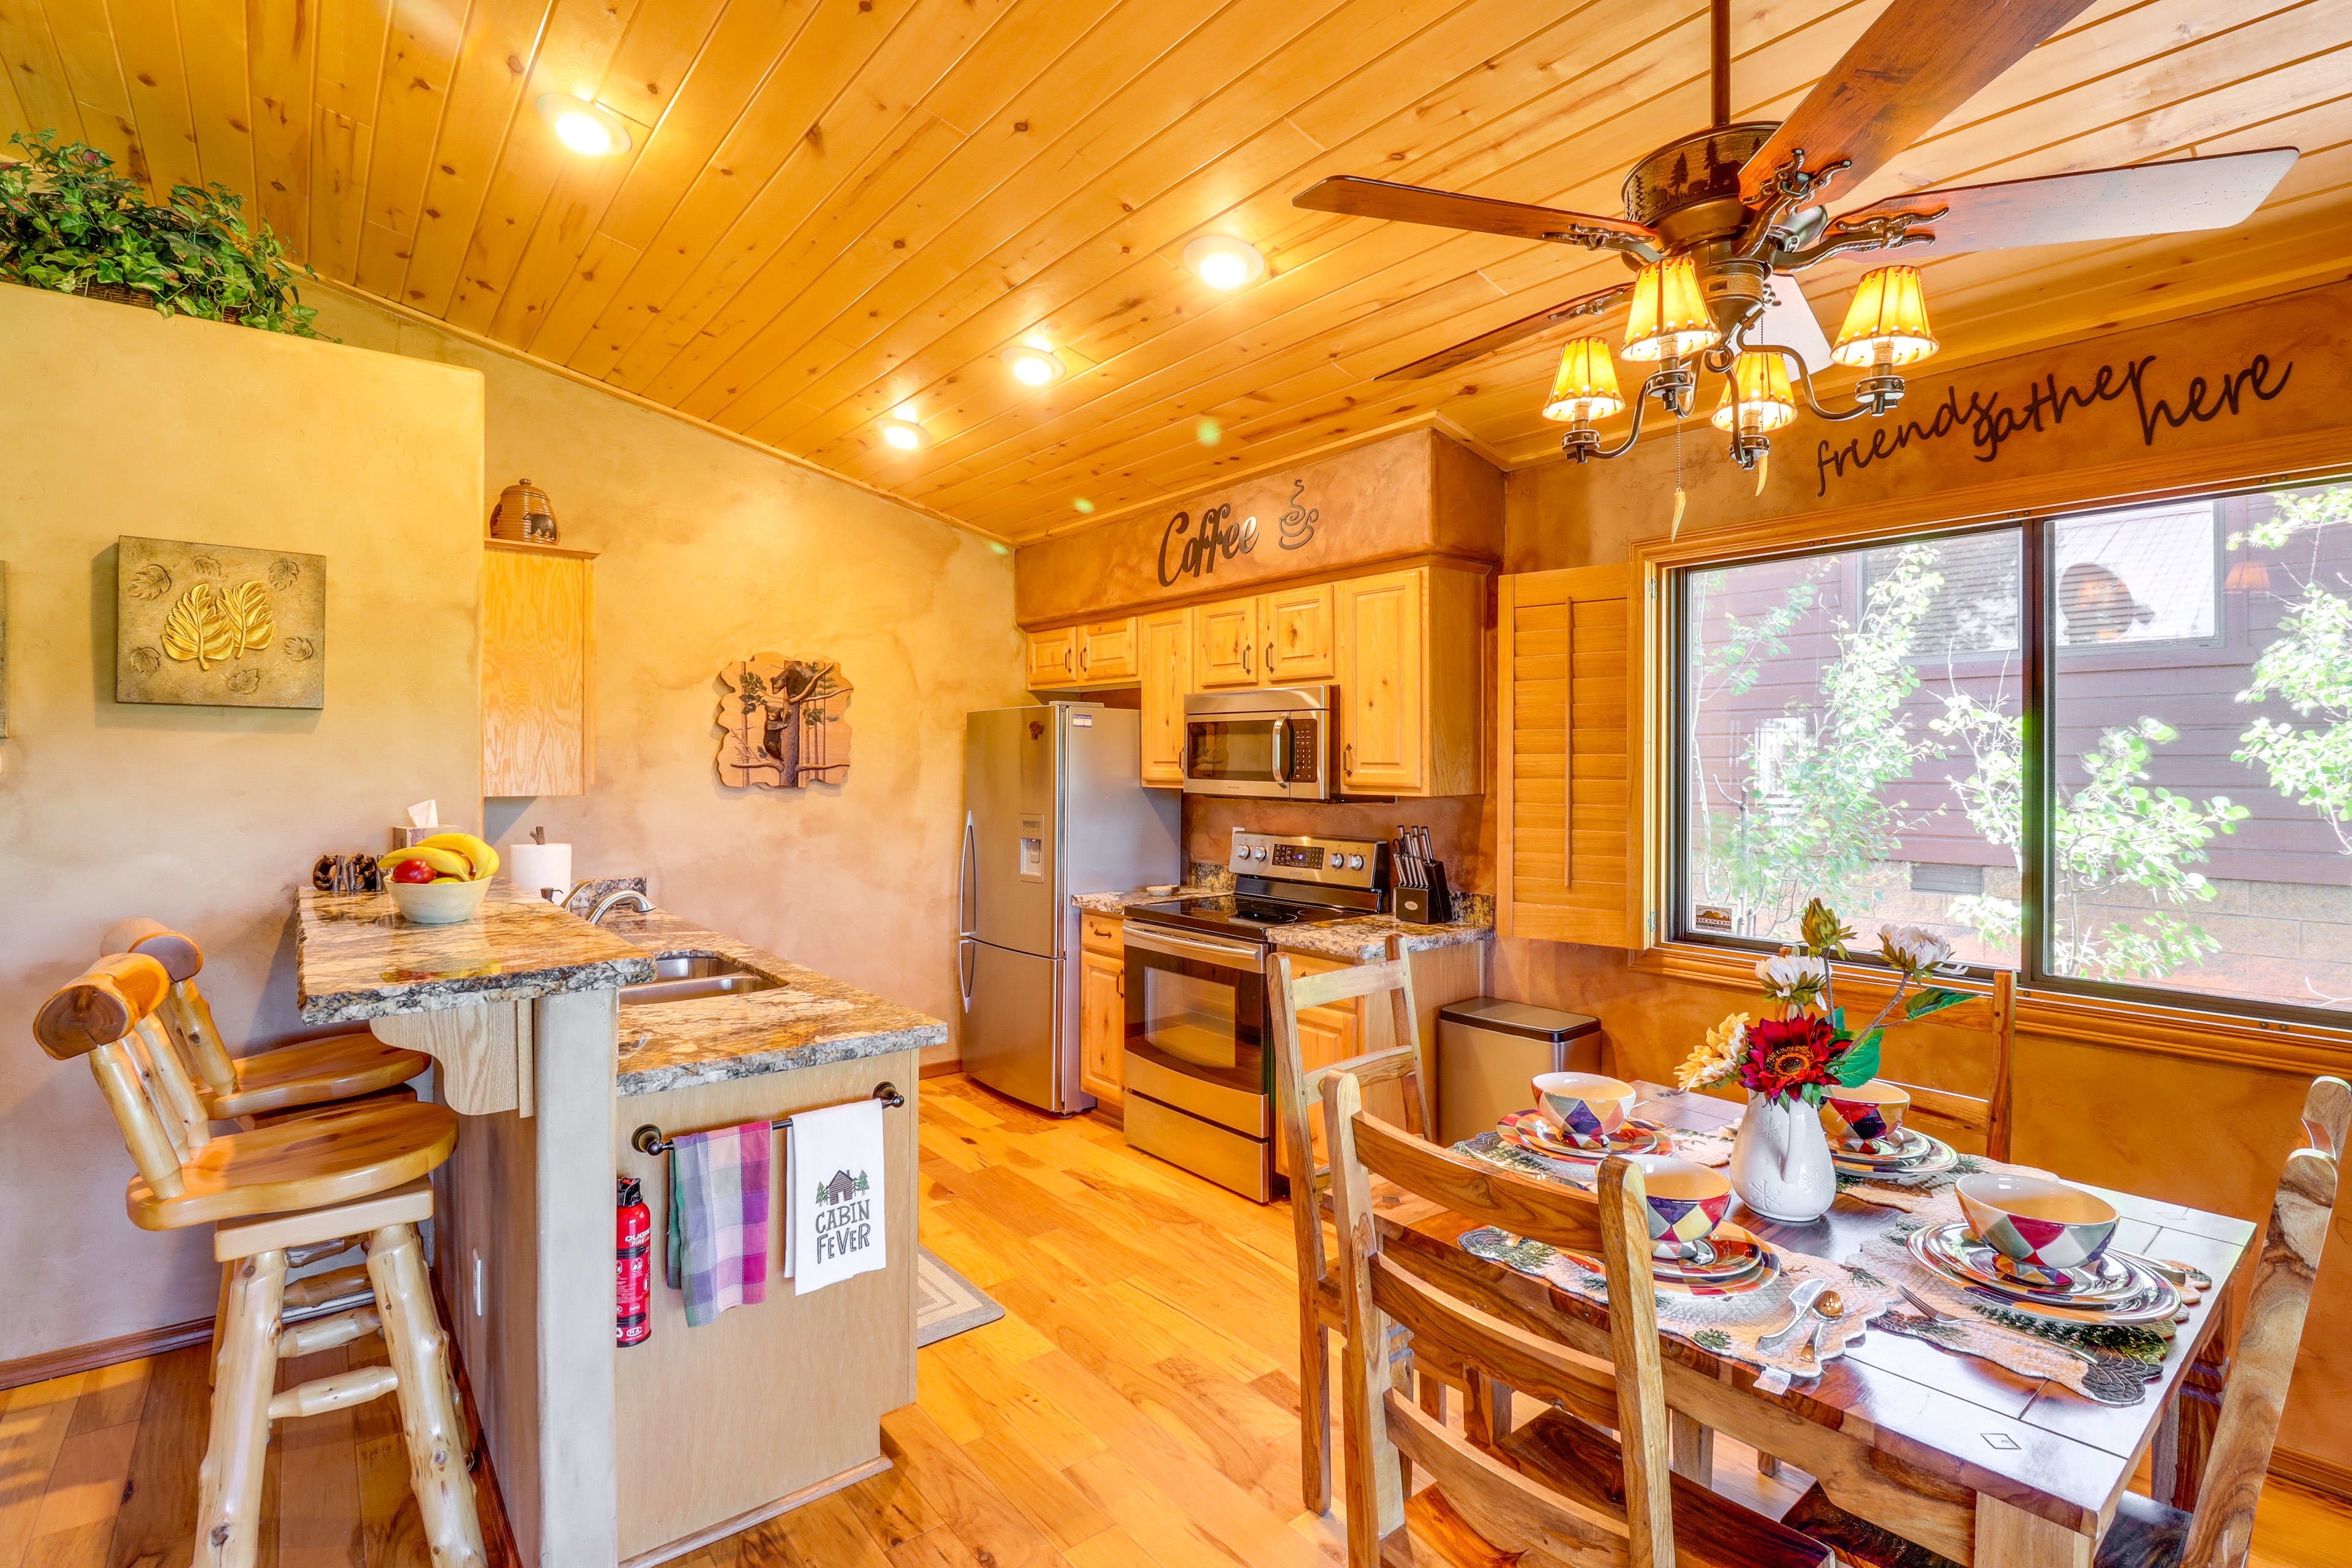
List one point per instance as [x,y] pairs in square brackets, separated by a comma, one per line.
[1718,222]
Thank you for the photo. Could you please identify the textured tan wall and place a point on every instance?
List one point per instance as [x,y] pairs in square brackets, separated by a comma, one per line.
[115,421]
[712,551]
[2200,1133]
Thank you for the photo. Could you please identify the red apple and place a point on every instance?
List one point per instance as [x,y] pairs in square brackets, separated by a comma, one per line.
[413,871]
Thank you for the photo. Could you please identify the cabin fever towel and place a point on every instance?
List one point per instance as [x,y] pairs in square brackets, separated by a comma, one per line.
[832,1219]
[718,1219]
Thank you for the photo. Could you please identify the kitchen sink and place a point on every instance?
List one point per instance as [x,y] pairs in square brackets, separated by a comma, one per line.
[688,976]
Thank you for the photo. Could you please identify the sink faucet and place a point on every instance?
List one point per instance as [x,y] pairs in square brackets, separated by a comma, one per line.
[611,900]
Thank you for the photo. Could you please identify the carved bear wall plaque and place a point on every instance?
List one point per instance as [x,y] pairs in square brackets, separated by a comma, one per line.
[786,722]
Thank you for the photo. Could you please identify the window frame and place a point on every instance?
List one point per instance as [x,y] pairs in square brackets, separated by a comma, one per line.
[2037,531]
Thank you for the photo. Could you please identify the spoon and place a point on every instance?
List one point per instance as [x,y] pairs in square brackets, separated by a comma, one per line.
[1830,1308]
[1802,1299]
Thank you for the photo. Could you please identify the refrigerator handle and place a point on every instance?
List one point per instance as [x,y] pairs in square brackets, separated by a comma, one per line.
[964,975]
[964,869]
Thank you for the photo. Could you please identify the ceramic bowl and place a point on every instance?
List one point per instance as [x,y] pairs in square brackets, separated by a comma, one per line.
[2034,1220]
[438,903]
[1585,1107]
[1686,1202]
[1868,1118]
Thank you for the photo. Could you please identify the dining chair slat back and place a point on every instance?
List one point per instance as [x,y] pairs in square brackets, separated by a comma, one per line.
[1503,1506]
[1297,1090]
[1974,1123]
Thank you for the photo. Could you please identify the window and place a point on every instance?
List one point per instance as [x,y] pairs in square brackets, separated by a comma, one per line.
[1855,724]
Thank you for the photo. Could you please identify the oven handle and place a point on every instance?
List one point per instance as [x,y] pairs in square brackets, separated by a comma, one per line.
[1281,750]
[1156,940]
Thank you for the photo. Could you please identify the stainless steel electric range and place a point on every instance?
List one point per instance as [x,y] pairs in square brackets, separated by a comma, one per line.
[1199,1010]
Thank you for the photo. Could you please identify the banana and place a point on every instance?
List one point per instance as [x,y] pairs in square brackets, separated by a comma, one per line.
[484,857]
[447,862]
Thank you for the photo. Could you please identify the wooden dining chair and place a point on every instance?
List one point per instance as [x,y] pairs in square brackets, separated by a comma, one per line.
[1298,1089]
[348,1066]
[2146,1533]
[1558,1489]
[352,1174]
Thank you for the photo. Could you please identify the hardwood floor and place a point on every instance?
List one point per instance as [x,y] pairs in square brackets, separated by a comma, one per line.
[1135,1408]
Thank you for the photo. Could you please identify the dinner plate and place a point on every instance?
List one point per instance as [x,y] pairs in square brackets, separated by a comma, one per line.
[1937,1157]
[2106,1277]
[2151,1302]
[1737,1256]
[1533,1132]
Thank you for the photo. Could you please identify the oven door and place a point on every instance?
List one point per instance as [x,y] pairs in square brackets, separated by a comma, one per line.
[1277,755]
[1197,1025]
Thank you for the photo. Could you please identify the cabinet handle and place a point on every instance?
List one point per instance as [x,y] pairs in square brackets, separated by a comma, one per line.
[1065,659]
[1247,649]
[1270,655]
[1348,758]
[1122,982]
[1081,659]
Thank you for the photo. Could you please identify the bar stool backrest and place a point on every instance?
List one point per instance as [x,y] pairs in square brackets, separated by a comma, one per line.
[106,1013]
[185,1013]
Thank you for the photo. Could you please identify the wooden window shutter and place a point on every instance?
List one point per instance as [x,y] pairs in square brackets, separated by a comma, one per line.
[1569,705]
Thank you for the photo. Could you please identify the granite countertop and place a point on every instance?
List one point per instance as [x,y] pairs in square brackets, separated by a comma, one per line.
[1365,940]
[357,959]
[809,1020]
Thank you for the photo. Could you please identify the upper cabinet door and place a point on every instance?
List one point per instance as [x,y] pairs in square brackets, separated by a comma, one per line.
[1054,658]
[1225,645]
[1164,654]
[539,654]
[1383,715]
[1107,652]
[1295,625]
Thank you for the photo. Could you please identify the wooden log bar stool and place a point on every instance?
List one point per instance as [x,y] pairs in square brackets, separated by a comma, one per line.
[305,1187]
[286,1077]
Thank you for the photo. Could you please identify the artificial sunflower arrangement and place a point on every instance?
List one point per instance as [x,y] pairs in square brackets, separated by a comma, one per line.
[1808,1051]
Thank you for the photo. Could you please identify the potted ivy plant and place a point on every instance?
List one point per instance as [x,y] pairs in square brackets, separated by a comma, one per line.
[68,222]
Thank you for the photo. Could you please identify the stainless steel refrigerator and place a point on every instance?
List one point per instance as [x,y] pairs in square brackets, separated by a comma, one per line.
[1053,805]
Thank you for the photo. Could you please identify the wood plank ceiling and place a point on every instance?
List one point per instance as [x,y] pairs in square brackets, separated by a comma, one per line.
[834,209]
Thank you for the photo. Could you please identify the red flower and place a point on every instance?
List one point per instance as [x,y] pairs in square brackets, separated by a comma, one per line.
[1785,1055]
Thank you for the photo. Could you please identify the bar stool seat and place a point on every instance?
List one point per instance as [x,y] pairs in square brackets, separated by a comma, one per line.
[331,1156]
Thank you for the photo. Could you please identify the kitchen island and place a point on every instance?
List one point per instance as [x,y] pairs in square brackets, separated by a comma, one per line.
[604,1455]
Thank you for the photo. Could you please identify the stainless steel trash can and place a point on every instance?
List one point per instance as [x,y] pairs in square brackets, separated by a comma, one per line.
[1488,1049]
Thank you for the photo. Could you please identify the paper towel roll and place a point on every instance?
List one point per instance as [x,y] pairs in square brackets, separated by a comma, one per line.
[536,865]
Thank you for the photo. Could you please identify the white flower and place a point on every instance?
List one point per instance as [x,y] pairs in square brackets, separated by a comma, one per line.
[1785,978]
[1911,949]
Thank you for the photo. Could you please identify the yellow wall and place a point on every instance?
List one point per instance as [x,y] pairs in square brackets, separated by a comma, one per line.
[2195,1133]
[115,421]
[713,550]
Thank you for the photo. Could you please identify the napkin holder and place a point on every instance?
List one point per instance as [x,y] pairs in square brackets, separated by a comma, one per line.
[1429,906]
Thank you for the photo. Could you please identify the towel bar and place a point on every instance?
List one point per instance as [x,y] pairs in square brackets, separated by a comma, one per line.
[649,1139]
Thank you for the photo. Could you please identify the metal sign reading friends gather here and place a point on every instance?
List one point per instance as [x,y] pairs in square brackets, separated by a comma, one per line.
[1192,547]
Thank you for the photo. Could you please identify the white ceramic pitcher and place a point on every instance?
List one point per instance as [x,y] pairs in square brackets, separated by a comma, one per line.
[1780,1160]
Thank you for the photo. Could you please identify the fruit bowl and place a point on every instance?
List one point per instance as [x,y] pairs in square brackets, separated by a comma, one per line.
[438,903]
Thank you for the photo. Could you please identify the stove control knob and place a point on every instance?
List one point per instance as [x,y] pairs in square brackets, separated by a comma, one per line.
[1354,862]
[1259,852]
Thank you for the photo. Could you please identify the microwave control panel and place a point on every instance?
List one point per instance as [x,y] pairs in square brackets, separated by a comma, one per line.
[1306,857]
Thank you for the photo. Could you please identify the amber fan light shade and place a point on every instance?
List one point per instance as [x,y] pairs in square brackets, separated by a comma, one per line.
[1585,390]
[1669,319]
[1766,401]
[1887,322]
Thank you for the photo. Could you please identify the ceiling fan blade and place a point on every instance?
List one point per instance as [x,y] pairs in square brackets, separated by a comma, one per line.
[1920,61]
[1480,214]
[2187,194]
[1788,322]
[1585,305]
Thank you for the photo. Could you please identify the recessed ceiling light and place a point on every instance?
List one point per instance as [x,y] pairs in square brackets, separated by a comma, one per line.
[1033,366]
[587,129]
[905,436]
[1223,262]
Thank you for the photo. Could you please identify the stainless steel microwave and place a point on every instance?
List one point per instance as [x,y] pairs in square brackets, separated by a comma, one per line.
[1277,741]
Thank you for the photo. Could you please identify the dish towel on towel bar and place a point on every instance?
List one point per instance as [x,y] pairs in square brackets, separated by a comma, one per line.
[718,1219]
[834,1216]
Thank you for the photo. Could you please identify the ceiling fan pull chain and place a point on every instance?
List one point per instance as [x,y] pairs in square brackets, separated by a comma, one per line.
[1681,500]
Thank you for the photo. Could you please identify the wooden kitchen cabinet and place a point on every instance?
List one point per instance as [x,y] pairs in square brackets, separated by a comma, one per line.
[1102,1006]
[1224,644]
[1054,658]
[538,657]
[1409,661]
[1295,625]
[1163,642]
[1107,652]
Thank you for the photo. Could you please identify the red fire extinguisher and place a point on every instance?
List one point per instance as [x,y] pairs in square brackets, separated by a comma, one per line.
[633,1241]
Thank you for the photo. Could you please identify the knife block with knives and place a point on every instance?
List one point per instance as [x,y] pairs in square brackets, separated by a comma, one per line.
[1423,897]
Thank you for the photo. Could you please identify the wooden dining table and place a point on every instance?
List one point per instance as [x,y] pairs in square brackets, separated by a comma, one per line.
[1981,1464]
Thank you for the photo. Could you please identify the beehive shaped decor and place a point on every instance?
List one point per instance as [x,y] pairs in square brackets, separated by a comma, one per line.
[785,723]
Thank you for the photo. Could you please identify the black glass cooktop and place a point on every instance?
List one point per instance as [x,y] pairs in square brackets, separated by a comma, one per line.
[1232,915]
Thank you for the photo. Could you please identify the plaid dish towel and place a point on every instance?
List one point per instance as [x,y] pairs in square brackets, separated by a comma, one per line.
[718,1219]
